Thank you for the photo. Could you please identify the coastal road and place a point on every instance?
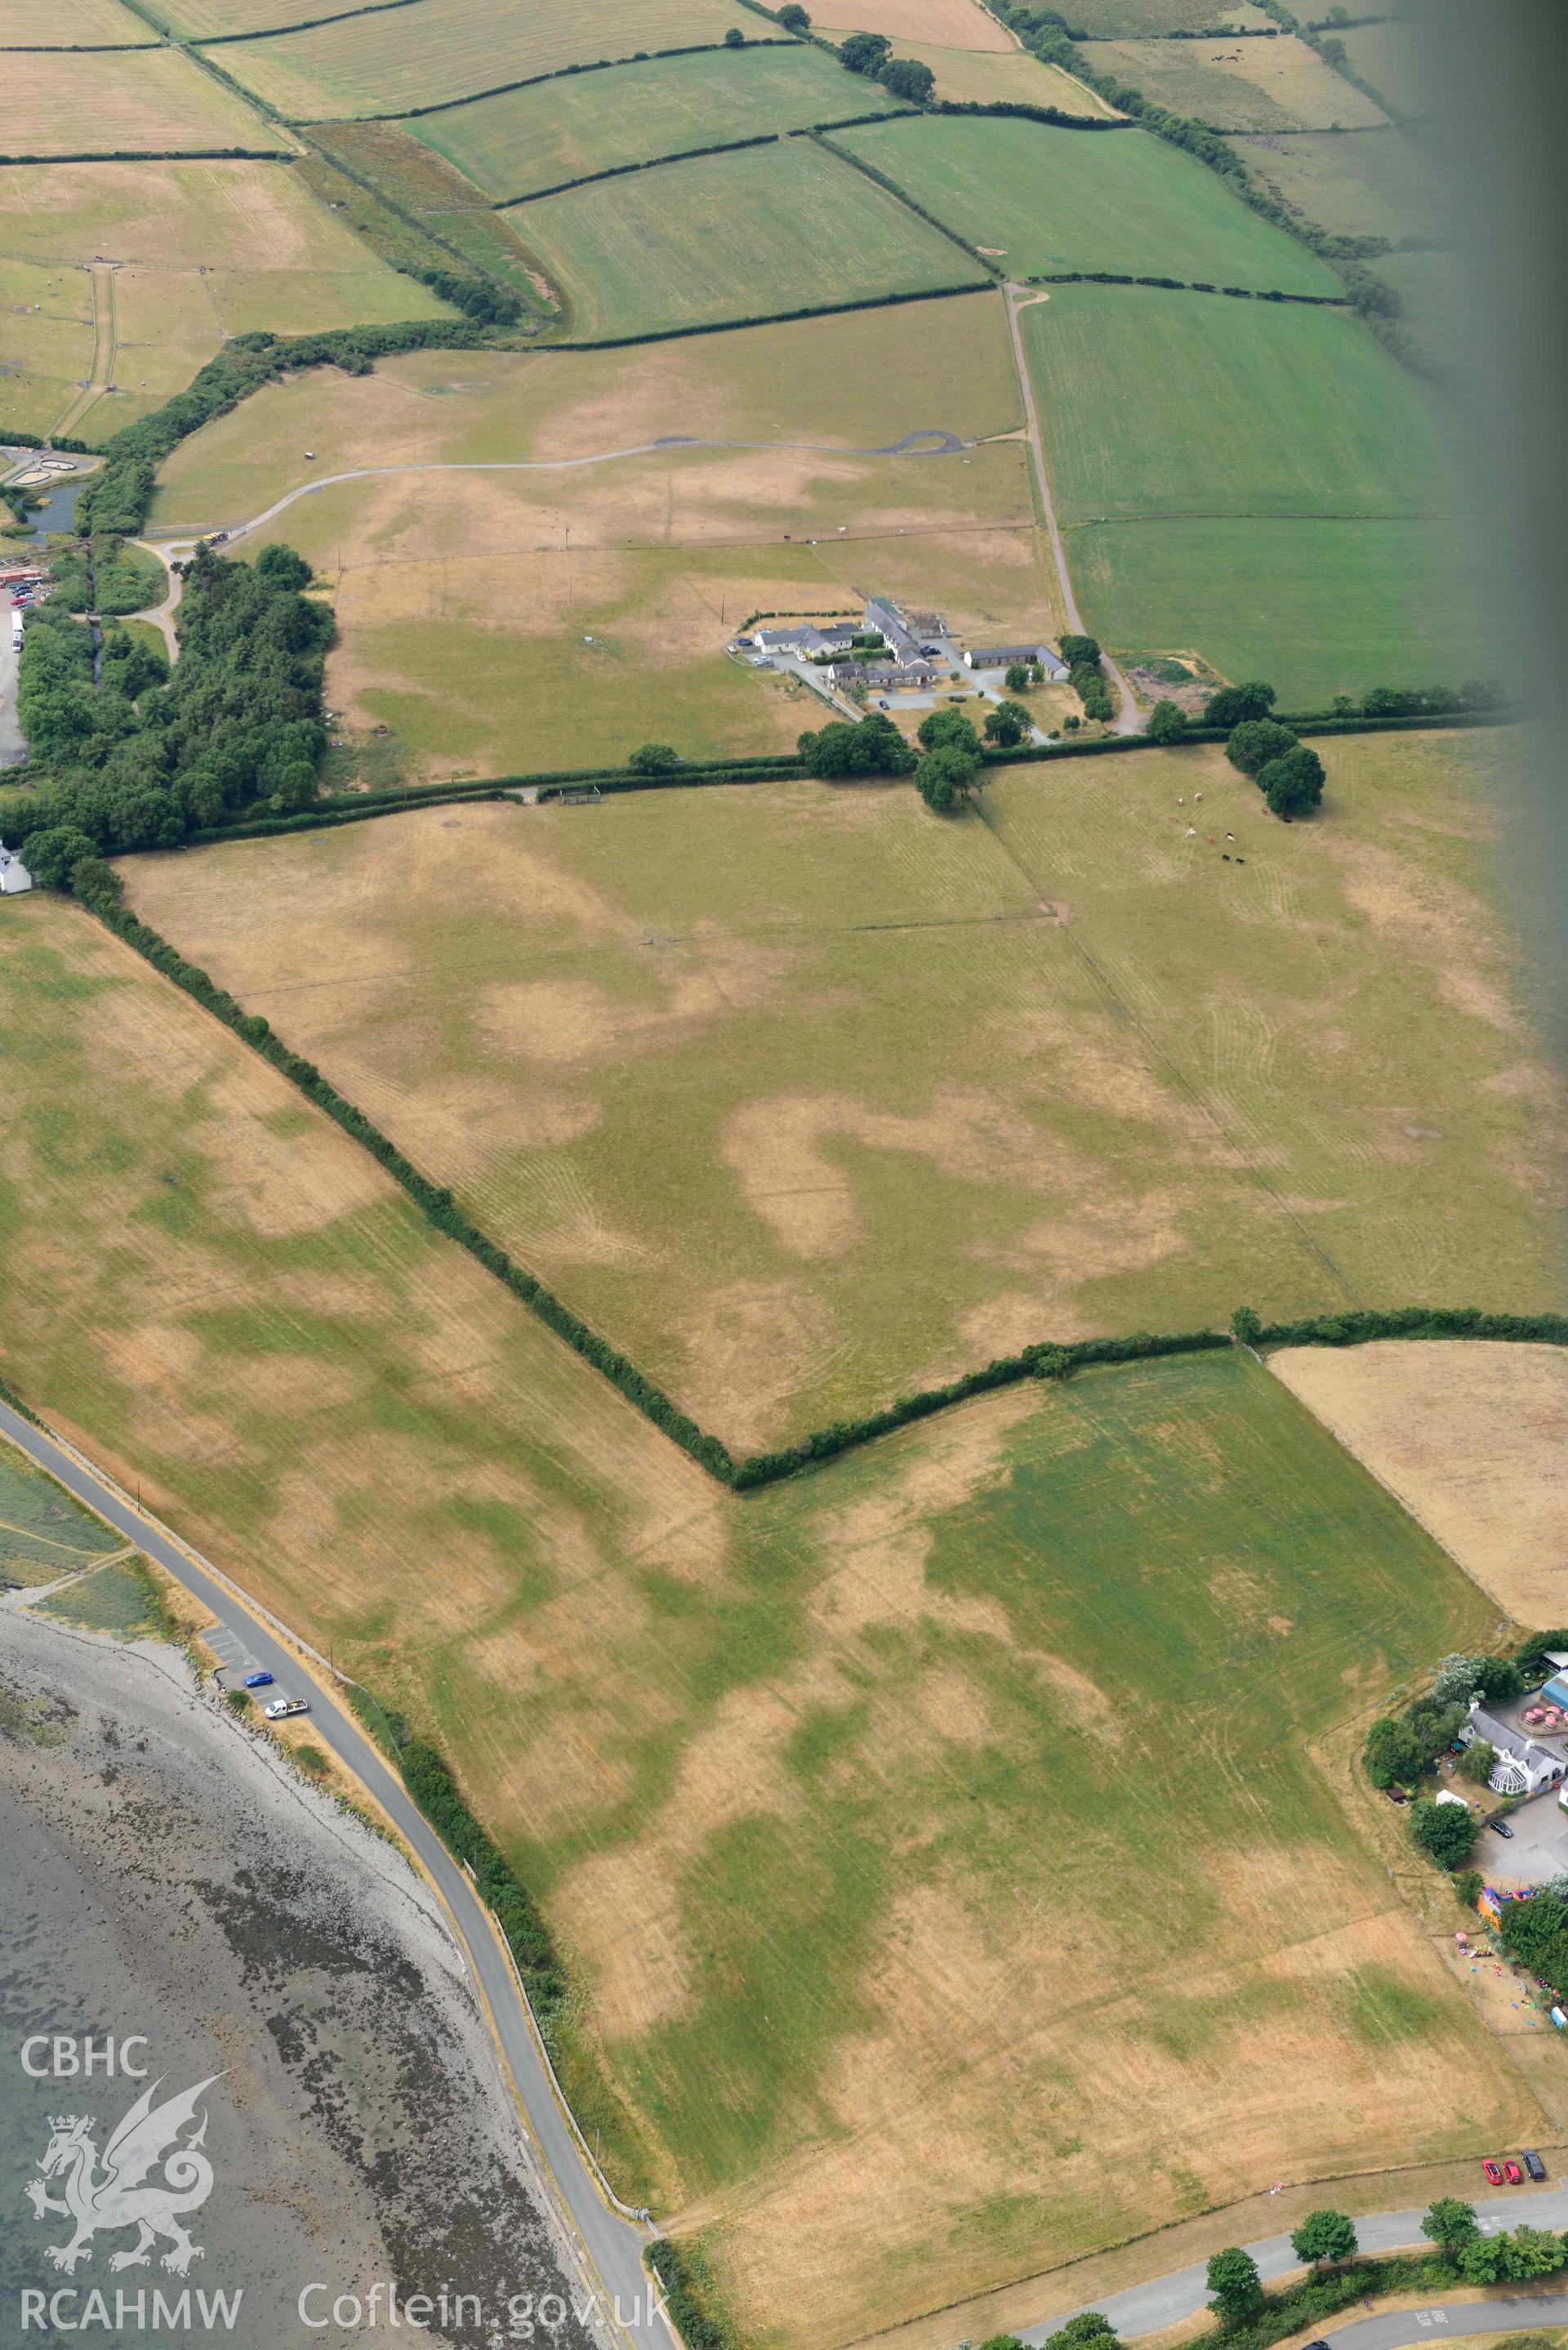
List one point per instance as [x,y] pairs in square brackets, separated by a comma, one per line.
[613,2245]
[1166,2300]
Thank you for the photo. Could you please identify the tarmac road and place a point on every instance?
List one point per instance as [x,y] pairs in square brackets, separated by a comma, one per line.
[613,2245]
[1401,2325]
[1166,2300]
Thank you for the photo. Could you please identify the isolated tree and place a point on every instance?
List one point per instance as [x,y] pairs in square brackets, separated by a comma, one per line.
[864,53]
[1449,2223]
[734,38]
[52,855]
[1016,677]
[947,730]
[1292,783]
[1247,1324]
[1237,2288]
[1325,2235]
[907,78]
[792,18]
[1392,1754]
[1234,702]
[1467,1887]
[1536,1933]
[1445,1831]
[1003,727]
[946,778]
[654,759]
[872,746]
[1036,673]
[1256,740]
[1476,1761]
[1167,723]
[1457,1676]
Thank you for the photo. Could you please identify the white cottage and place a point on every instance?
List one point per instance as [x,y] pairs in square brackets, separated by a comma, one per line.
[1522,1766]
[14,875]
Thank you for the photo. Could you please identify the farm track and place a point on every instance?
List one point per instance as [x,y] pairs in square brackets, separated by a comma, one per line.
[105,347]
[1014,298]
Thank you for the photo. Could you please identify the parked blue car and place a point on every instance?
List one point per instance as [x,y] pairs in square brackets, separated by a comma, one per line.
[258,1680]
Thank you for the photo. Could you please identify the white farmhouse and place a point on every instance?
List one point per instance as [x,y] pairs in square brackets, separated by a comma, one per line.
[1523,1767]
[14,875]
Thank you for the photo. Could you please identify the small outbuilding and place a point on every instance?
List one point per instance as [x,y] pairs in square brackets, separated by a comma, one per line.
[14,875]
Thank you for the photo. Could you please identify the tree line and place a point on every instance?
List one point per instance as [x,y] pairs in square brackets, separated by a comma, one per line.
[146,758]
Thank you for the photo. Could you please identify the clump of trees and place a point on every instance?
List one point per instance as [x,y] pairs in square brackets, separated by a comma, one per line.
[1007,725]
[1233,703]
[949,774]
[794,18]
[147,757]
[1535,1932]
[1090,2329]
[1087,679]
[871,746]
[1509,2257]
[904,78]
[1289,774]
[479,299]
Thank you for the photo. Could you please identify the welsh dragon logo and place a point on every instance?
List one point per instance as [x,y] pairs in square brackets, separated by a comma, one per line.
[123,2193]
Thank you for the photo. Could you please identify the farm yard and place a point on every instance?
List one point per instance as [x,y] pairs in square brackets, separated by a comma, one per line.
[1046,199]
[1239,85]
[770,230]
[535,138]
[1253,411]
[153,101]
[871,1687]
[698,1056]
[387,65]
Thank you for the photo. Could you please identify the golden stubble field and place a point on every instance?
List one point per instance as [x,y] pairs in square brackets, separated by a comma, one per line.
[866,1762]
[1472,1438]
[151,101]
[808,1098]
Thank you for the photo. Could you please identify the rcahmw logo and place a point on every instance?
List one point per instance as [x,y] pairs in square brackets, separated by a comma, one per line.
[150,2174]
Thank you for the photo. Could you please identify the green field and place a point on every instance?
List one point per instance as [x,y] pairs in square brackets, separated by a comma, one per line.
[774,229]
[116,1599]
[536,138]
[43,1534]
[1379,183]
[716,1063]
[386,64]
[1440,304]
[1391,58]
[1276,500]
[1245,408]
[1317,607]
[1053,200]
[866,1756]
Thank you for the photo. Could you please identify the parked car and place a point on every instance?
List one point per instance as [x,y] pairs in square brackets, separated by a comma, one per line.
[1512,2173]
[1502,1829]
[1533,2163]
[1492,2170]
[1396,1795]
[258,1680]
[283,1708]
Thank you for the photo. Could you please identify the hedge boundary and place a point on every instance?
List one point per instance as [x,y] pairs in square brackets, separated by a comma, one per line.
[902,195]
[625,171]
[306,25]
[683,2279]
[529,81]
[163,155]
[1045,1360]
[429,1778]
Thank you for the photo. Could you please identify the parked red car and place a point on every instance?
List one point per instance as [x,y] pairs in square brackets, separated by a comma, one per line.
[1512,2173]
[1493,2172]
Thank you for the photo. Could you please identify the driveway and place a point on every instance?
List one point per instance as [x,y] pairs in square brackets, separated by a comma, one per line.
[1537,1850]
[13,750]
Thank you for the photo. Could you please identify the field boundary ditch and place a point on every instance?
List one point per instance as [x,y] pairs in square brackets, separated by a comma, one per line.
[1045,1360]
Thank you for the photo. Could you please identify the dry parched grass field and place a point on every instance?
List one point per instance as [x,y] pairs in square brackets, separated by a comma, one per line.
[69,24]
[940,24]
[148,100]
[807,1100]
[1473,1439]
[874,1762]
[1239,85]
[443,49]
